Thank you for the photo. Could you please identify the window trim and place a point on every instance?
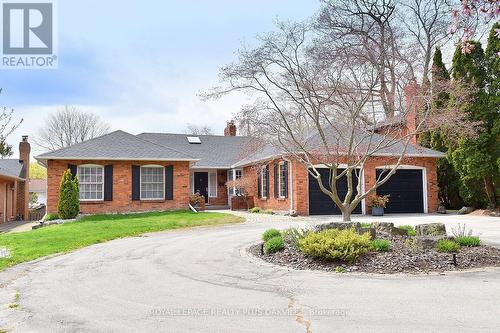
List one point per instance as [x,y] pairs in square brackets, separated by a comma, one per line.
[140,182]
[231,175]
[215,185]
[78,177]
[281,165]
[263,182]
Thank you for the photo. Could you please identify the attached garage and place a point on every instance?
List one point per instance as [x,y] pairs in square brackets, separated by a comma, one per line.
[406,190]
[320,203]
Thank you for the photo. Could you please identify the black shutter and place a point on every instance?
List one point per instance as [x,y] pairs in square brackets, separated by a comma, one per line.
[108,182]
[276,175]
[285,168]
[72,169]
[259,184]
[169,182]
[267,181]
[136,182]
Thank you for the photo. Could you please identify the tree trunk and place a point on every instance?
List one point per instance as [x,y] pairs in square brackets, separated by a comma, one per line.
[490,191]
[346,216]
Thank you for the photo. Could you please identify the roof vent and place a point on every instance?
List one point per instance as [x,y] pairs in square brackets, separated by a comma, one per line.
[194,139]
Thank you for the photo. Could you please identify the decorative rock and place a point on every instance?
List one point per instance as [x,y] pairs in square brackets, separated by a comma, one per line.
[465,210]
[372,231]
[383,227]
[338,225]
[441,209]
[431,229]
[4,253]
[399,232]
[429,242]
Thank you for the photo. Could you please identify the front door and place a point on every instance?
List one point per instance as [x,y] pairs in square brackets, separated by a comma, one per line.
[201,184]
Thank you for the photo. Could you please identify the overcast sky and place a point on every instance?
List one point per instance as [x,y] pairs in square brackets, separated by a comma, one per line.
[140,64]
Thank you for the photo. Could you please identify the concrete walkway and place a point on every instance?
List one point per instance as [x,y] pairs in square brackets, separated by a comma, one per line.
[202,280]
[16,226]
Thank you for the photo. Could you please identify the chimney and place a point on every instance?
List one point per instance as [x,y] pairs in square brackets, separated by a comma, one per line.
[413,104]
[230,129]
[23,188]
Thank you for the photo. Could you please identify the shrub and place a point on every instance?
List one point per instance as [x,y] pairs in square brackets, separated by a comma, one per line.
[274,244]
[267,211]
[468,241]
[255,210]
[445,245]
[294,235]
[68,206]
[382,245]
[346,244]
[270,233]
[366,225]
[339,269]
[196,199]
[461,231]
[50,217]
[409,230]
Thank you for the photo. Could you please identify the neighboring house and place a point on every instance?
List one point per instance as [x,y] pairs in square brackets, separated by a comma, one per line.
[38,187]
[14,195]
[121,172]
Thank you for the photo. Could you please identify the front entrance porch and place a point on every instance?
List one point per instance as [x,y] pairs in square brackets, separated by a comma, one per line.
[211,183]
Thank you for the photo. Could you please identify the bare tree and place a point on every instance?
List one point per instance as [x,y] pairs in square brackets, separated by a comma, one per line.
[320,105]
[68,126]
[198,130]
[427,22]
[7,126]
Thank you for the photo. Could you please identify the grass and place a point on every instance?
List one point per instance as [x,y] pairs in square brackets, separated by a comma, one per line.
[448,246]
[366,225]
[468,241]
[409,230]
[381,245]
[30,245]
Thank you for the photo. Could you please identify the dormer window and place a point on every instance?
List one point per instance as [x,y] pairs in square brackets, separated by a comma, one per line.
[194,139]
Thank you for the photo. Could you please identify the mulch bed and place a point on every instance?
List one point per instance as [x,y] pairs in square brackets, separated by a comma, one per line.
[404,257]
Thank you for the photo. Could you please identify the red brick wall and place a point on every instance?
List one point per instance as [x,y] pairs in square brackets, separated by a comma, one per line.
[122,187]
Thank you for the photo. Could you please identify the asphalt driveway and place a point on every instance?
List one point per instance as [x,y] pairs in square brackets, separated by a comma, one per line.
[202,280]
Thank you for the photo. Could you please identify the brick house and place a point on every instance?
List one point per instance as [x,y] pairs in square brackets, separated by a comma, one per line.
[121,172]
[14,195]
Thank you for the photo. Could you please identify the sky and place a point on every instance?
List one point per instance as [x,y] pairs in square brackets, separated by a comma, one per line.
[139,65]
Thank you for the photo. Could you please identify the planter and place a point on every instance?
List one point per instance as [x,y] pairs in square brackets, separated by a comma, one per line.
[238,203]
[377,211]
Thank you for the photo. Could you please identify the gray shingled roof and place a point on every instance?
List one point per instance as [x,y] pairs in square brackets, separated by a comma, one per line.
[214,151]
[390,146]
[118,145]
[11,168]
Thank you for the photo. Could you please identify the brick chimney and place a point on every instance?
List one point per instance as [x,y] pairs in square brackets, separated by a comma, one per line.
[413,104]
[23,188]
[230,129]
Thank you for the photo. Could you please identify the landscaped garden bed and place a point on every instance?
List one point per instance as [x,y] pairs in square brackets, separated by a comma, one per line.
[376,248]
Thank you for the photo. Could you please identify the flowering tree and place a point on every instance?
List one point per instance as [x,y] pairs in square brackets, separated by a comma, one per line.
[242,186]
[468,15]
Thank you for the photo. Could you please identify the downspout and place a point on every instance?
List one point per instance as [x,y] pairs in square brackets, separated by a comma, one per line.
[290,190]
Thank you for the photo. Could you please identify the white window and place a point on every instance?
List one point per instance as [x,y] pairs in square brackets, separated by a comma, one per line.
[212,184]
[234,174]
[282,174]
[91,182]
[263,183]
[152,183]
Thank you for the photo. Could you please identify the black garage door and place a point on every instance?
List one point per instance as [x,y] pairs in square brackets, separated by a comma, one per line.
[405,188]
[320,203]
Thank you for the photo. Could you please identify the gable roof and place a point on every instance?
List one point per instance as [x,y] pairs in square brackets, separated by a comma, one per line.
[117,145]
[214,151]
[11,168]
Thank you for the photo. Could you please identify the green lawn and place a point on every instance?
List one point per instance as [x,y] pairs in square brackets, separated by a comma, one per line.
[26,246]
